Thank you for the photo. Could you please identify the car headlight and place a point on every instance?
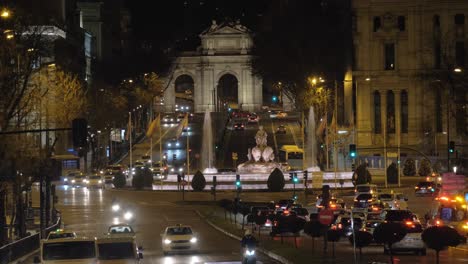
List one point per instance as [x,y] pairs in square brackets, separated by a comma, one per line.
[250,252]
[102,172]
[169,144]
[73,181]
[85,181]
[193,240]
[177,144]
[167,241]
[65,179]
[100,181]
[115,207]
[172,169]
[128,216]
[181,169]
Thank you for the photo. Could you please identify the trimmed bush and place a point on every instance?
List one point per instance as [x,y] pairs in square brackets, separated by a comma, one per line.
[137,181]
[276,181]
[198,182]
[425,168]
[119,180]
[409,168]
[392,173]
[440,238]
[362,175]
[147,177]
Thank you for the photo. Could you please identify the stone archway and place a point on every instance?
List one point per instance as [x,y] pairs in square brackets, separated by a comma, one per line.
[228,91]
[184,88]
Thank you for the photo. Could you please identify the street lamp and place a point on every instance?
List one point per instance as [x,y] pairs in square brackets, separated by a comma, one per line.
[457,70]
[5,13]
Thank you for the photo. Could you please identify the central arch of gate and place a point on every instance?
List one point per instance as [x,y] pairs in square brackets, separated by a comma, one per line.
[220,70]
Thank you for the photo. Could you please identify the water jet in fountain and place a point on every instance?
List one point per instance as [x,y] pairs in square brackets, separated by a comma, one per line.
[207,154]
[311,147]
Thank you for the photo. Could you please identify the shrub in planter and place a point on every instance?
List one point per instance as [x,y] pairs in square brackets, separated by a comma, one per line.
[392,173]
[425,168]
[276,181]
[198,182]
[119,180]
[362,175]
[137,181]
[147,177]
[409,168]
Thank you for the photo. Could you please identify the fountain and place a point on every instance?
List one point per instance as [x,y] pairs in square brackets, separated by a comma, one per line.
[260,157]
[311,147]
[207,154]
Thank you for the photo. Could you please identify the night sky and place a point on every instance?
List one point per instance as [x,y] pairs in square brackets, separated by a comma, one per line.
[177,23]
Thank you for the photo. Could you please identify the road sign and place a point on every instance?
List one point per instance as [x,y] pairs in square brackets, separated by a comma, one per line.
[234,155]
[326,217]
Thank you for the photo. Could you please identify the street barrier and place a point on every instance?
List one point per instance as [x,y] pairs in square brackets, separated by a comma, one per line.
[17,249]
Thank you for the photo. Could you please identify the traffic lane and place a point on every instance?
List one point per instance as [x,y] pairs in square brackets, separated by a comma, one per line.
[88,212]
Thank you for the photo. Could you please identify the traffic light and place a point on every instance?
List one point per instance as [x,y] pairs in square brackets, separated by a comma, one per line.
[214,181]
[274,99]
[306,175]
[352,150]
[174,156]
[295,197]
[353,167]
[79,132]
[295,179]
[452,146]
[238,182]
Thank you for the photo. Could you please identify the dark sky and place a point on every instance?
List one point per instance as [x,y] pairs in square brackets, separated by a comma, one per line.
[178,22]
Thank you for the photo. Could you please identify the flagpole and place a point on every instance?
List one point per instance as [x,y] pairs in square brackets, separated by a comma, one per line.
[130,138]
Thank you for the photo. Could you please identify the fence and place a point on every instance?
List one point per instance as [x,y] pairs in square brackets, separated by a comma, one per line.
[24,246]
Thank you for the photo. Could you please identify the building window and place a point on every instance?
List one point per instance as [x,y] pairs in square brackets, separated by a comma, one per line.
[459,19]
[389,56]
[438,111]
[377,114]
[460,53]
[404,112]
[390,112]
[401,23]
[377,23]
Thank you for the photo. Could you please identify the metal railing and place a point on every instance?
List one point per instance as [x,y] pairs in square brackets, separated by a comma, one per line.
[24,246]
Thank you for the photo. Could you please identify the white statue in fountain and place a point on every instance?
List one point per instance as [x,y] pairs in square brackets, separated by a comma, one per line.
[260,157]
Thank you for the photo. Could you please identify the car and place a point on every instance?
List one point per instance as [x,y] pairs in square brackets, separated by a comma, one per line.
[399,216]
[412,242]
[79,180]
[281,129]
[238,126]
[284,204]
[179,238]
[344,225]
[67,250]
[122,249]
[366,188]
[425,188]
[281,114]
[180,117]
[120,229]
[69,177]
[94,181]
[393,201]
[253,119]
[301,213]
[60,233]
[146,158]
[173,144]
[366,202]
[372,221]
[108,178]
[168,119]
[186,129]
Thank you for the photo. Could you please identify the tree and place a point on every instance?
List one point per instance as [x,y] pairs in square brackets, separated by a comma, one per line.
[440,238]
[425,168]
[119,180]
[276,181]
[388,234]
[362,175]
[198,182]
[333,236]
[362,238]
[409,168]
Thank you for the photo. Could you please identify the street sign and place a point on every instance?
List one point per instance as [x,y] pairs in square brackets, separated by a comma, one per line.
[326,217]
[234,155]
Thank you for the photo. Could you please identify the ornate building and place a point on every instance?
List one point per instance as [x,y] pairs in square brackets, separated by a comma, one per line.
[408,68]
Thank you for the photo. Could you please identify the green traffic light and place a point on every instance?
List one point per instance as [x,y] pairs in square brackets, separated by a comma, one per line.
[295,180]
[238,183]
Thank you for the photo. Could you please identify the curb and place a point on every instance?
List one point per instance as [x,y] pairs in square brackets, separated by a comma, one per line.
[262,250]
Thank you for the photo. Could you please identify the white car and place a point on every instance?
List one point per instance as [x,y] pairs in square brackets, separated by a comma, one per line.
[122,249]
[179,238]
[412,242]
[394,201]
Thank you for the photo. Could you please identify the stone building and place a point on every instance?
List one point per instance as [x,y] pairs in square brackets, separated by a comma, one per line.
[409,64]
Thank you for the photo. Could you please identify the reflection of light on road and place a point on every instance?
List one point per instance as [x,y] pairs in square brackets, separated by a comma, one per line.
[169,260]
[100,195]
[86,196]
[195,259]
[65,187]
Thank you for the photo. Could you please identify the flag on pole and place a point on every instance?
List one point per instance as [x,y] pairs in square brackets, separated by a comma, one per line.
[182,125]
[153,126]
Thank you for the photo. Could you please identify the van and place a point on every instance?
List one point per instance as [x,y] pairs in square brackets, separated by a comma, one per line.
[67,250]
[118,249]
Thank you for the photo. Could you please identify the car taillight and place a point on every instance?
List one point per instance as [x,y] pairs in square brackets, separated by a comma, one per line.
[438,223]
[277,206]
[333,205]
[286,212]
[340,226]
[417,187]
[275,223]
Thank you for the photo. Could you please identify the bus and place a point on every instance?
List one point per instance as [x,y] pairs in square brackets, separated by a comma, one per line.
[292,155]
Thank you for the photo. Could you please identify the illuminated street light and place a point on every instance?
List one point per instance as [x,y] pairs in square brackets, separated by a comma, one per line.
[368,79]
[5,13]
[457,70]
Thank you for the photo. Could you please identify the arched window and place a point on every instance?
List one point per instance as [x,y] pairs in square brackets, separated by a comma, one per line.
[390,112]
[377,113]
[404,111]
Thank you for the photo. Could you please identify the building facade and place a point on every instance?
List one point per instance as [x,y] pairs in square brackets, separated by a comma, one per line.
[409,59]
